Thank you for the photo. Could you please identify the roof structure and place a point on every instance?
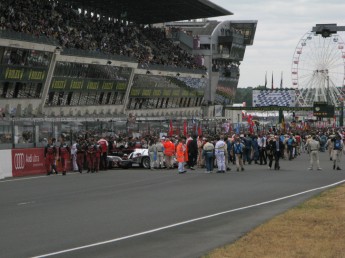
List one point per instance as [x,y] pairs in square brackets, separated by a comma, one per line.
[153,11]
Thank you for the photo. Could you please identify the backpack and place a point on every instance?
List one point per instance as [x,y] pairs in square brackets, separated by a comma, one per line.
[337,145]
[323,139]
[290,141]
[238,148]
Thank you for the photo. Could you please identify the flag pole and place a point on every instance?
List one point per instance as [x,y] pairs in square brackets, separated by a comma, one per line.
[266,80]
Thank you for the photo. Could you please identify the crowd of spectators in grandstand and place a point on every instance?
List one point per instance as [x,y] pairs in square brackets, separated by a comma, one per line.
[74,28]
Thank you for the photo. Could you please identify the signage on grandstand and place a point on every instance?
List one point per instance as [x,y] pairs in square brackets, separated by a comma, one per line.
[322,109]
[71,84]
[276,97]
[21,74]
[163,92]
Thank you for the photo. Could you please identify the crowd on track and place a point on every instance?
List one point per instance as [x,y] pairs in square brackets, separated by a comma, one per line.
[74,28]
[209,152]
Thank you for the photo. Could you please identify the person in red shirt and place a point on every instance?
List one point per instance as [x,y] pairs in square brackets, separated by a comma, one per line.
[103,143]
[64,151]
[90,155]
[50,154]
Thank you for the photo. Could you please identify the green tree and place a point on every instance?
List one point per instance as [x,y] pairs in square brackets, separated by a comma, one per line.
[244,95]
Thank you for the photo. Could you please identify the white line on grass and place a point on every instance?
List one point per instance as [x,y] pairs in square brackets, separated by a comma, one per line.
[186,222]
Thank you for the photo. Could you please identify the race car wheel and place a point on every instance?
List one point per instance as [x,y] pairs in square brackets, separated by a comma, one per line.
[145,162]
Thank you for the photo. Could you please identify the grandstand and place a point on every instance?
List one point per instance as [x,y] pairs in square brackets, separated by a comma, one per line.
[76,59]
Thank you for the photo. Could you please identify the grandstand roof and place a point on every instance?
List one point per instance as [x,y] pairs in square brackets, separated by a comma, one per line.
[153,11]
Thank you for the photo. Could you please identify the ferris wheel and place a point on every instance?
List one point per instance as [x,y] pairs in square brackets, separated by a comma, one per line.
[318,70]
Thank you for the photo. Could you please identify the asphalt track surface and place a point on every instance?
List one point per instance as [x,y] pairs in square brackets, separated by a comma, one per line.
[144,213]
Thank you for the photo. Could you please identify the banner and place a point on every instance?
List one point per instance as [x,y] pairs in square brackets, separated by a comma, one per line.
[218,110]
[277,97]
[28,162]
[22,74]
[199,130]
[77,84]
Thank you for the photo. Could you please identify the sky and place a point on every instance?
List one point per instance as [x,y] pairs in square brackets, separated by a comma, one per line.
[281,25]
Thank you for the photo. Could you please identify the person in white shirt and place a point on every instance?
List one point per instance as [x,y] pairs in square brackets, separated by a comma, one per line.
[220,154]
[314,146]
[160,153]
[74,157]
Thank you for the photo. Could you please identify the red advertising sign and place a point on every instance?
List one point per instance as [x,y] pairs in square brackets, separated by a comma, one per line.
[28,162]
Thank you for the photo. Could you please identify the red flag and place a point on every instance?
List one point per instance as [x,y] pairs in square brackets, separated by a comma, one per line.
[171,130]
[199,130]
[185,128]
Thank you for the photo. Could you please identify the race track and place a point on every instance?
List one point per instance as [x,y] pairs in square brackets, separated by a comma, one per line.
[144,213]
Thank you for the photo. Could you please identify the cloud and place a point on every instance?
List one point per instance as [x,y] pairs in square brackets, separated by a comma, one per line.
[281,25]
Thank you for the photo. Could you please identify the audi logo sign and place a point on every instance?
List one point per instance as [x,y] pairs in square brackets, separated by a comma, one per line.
[28,162]
[19,161]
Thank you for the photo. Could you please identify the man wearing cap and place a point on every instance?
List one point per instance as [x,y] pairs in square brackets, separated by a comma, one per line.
[314,146]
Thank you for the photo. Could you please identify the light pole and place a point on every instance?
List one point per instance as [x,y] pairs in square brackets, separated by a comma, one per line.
[327,77]
[238,123]
[60,110]
[341,117]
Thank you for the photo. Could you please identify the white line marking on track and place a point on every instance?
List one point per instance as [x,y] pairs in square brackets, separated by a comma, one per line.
[25,203]
[186,222]
[32,178]
[21,179]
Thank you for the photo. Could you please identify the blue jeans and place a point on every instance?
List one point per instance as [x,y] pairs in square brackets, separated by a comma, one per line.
[180,166]
[247,155]
[209,161]
[290,150]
